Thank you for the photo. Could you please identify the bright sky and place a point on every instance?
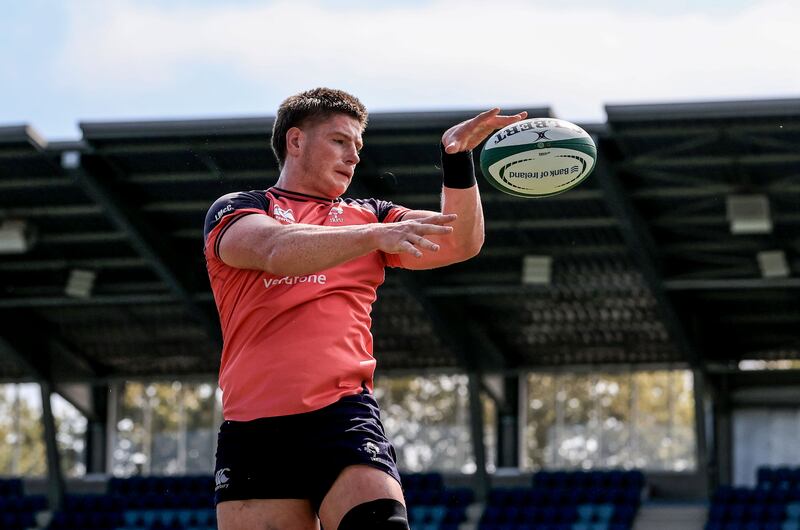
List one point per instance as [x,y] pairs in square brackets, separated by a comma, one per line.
[62,62]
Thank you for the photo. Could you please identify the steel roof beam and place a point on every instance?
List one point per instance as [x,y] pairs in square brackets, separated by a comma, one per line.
[142,236]
[643,248]
[714,160]
[475,351]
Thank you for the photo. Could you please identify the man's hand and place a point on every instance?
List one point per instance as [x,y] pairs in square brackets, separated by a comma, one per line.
[468,134]
[409,236]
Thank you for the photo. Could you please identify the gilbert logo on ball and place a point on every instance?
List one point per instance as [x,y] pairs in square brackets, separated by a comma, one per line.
[538,157]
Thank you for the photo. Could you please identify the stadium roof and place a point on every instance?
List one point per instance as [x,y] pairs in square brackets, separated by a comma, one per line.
[645,265]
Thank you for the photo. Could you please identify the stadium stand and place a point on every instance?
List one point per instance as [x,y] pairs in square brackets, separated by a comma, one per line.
[17,510]
[650,269]
[185,503]
[431,505]
[773,504]
[564,500]
[142,503]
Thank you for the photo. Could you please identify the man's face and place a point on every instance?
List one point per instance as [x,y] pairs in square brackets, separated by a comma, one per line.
[329,154]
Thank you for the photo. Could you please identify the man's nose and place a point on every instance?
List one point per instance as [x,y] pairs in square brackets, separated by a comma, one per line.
[352,156]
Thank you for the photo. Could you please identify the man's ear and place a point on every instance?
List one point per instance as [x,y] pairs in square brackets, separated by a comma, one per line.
[294,140]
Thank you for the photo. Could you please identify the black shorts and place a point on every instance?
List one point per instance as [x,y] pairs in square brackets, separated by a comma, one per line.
[300,456]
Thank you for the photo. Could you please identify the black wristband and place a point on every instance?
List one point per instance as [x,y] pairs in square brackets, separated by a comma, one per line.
[458,170]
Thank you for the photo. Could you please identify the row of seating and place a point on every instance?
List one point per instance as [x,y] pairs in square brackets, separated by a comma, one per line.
[446,497]
[557,526]
[161,485]
[716,525]
[557,497]
[784,477]
[169,518]
[614,479]
[17,510]
[567,500]
[747,512]
[432,506]
[17,521]
[423,481]
[585,513]
[144,519]
[772,505]
[757,495]
[181,503]
[436,515]
[11,487]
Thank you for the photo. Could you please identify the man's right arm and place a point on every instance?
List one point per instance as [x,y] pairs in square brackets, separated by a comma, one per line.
[260,242]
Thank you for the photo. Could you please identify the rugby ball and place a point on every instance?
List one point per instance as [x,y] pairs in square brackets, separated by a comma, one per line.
[538,157]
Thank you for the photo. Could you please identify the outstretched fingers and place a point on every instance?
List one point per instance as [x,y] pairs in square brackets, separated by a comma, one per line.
[437,219]
[469,134]
[414,241]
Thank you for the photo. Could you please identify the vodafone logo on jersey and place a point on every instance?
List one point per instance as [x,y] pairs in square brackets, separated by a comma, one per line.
[287,216]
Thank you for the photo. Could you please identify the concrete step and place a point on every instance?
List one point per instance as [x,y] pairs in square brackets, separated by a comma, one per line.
[671,517]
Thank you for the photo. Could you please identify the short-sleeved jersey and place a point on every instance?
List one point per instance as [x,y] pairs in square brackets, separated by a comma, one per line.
[294,344]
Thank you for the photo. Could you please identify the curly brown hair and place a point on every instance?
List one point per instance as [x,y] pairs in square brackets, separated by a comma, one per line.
[315,104]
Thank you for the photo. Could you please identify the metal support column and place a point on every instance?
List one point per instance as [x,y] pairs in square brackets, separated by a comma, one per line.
[701,440]
[481,485]
[508,424]
[97,431]
[55,480]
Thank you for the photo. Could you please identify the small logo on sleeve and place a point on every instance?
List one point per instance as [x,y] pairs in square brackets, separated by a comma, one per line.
[223,211]
[221,478]
[286,216]
[372,450]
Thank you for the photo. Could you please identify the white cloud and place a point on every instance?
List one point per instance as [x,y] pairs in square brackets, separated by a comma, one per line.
[445,53]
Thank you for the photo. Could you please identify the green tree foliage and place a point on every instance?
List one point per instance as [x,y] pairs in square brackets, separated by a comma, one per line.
[164,428]
[22,452]
[641,419]
[427,420]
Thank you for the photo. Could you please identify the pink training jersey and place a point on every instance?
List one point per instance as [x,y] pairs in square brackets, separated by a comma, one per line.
[294,344]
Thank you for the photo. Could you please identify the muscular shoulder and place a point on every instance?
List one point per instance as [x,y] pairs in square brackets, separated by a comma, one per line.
[234,205]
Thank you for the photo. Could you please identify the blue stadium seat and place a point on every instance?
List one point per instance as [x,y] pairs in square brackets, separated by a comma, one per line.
[604,512]
[585,513]
[733,525]
[492,514]
[793,511]
[11,487]
[617,478]
[542,479]
[455,515]
[567,514]
[755,512]
[458,497]
[764,476]
[624,514]
[776,512]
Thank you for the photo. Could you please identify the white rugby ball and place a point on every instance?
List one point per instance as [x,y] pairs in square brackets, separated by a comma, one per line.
[538,157]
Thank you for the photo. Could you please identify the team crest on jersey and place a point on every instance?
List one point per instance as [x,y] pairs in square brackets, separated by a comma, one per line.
[286,215]
[336,215]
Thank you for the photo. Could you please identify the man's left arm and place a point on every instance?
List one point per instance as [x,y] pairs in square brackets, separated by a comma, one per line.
[460,193]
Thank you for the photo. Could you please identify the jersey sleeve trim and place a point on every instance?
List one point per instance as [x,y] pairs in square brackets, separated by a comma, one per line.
[395,214]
